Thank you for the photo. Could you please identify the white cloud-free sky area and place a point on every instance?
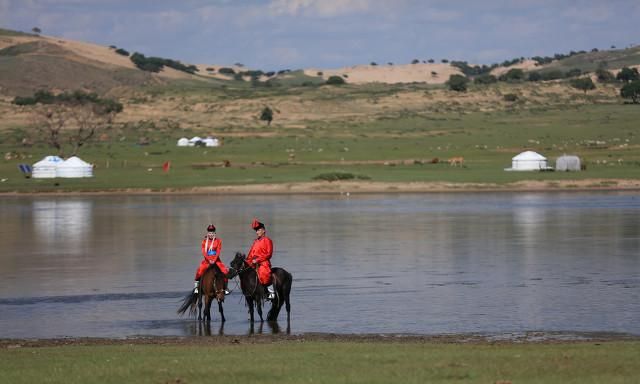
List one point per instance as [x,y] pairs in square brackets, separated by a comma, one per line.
[293,34]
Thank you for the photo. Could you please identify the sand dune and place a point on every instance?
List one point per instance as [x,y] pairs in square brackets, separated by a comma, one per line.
[390,74]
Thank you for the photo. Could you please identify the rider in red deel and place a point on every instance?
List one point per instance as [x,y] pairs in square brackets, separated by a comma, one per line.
[211,251]
[259,256]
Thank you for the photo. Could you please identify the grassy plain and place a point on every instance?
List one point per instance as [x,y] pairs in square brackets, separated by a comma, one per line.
[390,134]
[303,361]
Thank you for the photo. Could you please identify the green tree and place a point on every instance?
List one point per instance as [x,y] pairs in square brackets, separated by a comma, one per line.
[535,76]
[36,30]
[631,91]
[267,115]
[583,83]
[457,83]
[628,75]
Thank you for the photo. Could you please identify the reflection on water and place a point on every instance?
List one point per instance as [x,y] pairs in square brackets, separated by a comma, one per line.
[426,264]
[69,220]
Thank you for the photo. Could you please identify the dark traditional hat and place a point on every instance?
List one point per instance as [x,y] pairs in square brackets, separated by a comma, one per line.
[211,228]
[256,224]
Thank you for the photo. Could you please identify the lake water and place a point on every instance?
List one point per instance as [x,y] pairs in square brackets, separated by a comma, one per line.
[491,263]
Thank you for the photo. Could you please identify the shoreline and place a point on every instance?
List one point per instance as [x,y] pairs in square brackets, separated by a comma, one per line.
[531,337]
[363,187]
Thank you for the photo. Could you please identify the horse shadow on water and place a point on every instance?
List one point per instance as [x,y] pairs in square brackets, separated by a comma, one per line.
[255,293]
[211,287]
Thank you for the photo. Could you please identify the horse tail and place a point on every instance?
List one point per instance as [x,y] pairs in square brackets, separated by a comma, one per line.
[189,302]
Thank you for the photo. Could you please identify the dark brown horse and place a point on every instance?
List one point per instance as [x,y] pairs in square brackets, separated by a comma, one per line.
[255,293]
[211,286]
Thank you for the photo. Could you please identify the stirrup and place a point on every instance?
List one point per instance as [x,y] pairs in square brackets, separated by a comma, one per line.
[226,292]
[195,290]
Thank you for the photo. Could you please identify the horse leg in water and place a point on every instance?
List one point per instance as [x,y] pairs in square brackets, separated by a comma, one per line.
[207,307]
[259,307]
[199,307]
[221,310]
[250,305]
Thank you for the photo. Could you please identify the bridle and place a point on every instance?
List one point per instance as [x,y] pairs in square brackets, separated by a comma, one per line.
[244,268]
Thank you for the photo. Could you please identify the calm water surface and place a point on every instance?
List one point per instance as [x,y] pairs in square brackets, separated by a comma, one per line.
[420,264]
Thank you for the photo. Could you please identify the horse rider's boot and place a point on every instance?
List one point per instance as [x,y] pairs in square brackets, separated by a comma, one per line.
[196,284]
[226,287]
[272,294]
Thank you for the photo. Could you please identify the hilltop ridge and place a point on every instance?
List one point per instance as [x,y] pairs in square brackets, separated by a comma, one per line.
[30,62]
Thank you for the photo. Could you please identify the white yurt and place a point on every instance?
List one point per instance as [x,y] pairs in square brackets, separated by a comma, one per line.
[74,167]
[568,163]
[528,161]
[211,142]
[194,140]
[46,168]
[183,142]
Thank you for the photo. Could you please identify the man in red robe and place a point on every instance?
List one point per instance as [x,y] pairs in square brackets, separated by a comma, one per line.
[259,256]
[211,251]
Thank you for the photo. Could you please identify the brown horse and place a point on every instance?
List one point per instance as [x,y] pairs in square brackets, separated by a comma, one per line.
[255,293]
[211,286]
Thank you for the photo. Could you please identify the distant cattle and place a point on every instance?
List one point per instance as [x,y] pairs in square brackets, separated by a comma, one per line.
[456,161]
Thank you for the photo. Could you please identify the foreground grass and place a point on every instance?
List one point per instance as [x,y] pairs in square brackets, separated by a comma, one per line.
[325,362]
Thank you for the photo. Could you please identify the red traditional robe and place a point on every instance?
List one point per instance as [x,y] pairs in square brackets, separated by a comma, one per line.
[211,251]
[260,255]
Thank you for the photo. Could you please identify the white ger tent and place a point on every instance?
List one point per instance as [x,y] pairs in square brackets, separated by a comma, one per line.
[211,142]
[568,163]
[528,161]
[74,167]
[183,142]
[46,168]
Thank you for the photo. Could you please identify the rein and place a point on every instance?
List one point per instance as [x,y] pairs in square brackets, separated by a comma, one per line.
[246,267]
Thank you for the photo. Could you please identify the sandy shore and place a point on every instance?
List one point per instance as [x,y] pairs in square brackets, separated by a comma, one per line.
[362,187]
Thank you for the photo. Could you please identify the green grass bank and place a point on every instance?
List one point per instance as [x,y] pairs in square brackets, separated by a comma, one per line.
[326,362]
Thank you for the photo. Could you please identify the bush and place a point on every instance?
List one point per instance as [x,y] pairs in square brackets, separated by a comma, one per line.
[511,97]
[457,83]
[534,76]
[605,76]
[513,75]
[335,176]
[122,52]
[628,75]
[226,71]
[335,80]
[485,79]
[575,72]
[155,64]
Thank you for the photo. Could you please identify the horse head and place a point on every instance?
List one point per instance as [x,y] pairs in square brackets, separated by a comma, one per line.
[237,264]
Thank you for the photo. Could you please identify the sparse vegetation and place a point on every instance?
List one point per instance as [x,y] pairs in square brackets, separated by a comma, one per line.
[155,64]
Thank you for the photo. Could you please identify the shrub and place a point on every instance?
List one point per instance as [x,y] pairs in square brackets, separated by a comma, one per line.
[335,176]
[122,52]
[510,97]
[226,71]
[457,83]
[485,79]
[335,80]
[534,76]
[513,75]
